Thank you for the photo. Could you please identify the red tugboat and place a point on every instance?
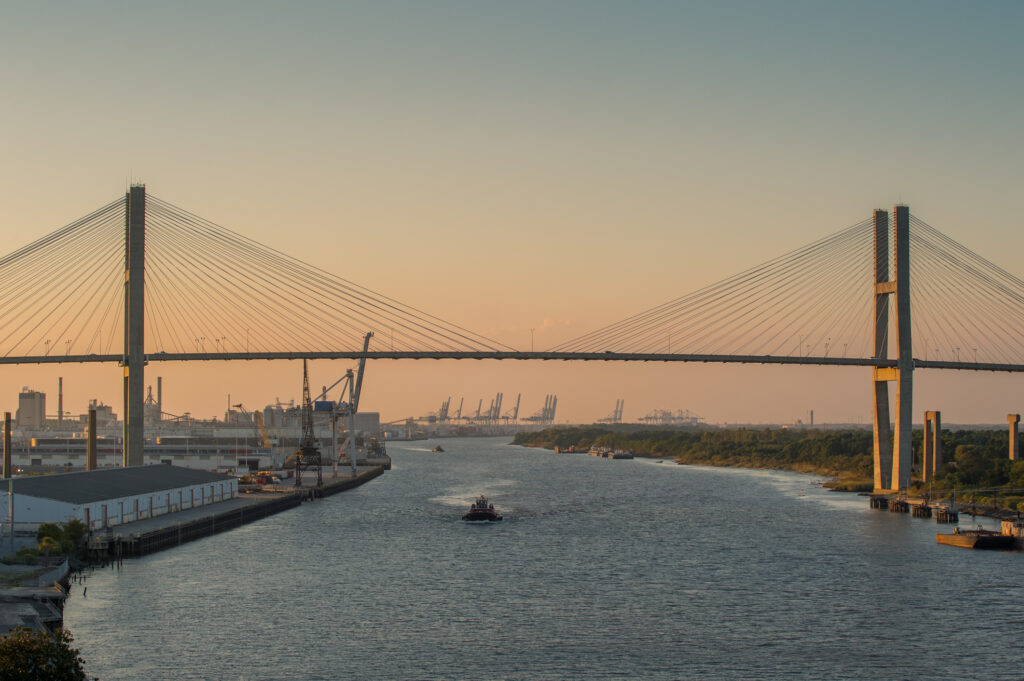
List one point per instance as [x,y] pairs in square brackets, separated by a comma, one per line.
[481,510]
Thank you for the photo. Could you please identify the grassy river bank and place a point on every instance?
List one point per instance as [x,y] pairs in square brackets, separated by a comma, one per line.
[977,469]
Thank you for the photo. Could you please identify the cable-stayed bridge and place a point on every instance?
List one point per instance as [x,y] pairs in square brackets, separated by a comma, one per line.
[140,280]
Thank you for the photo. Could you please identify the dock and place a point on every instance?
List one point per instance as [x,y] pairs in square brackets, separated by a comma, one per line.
[167,531]
[33,597]
[918,508]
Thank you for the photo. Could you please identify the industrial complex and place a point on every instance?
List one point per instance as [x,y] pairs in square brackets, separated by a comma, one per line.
[242,441]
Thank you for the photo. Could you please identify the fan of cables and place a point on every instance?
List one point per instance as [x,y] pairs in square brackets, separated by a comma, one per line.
[208,290]
[815,301]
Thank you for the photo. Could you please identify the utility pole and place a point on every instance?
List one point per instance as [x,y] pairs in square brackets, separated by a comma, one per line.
[351,423]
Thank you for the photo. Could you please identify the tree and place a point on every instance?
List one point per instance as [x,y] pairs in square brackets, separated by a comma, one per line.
[48,545]
[75,530]
[30,655]
[49,530]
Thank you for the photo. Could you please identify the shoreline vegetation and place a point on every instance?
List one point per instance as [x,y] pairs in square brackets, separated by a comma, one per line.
[977,466]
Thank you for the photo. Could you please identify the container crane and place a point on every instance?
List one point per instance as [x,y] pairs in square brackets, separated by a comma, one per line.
[308,453]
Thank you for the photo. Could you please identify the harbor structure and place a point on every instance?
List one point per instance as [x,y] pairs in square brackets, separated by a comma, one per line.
[113,496]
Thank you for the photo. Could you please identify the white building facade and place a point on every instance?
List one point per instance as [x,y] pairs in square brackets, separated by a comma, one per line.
[109,497]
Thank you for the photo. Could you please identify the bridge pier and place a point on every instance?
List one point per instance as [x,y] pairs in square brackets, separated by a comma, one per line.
[931,450]
[133,440]
[893,455]
[882,432]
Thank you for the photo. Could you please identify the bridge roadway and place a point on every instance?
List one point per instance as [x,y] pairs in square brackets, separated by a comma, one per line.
[518,355]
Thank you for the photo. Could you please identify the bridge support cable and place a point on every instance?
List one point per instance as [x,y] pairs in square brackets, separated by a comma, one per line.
[56,290]
[217,290]
[806,302]
[967,309]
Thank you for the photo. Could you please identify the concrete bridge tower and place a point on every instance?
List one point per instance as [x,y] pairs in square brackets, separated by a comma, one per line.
[133,440]
[892,450]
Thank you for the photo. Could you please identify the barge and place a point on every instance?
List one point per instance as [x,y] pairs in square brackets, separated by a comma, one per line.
[977,539]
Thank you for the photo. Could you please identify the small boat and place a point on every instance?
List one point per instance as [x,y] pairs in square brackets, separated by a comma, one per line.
[977,539]
[482,510]
[438,449]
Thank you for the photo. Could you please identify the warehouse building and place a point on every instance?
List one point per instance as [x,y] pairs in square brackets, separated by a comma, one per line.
[111,496]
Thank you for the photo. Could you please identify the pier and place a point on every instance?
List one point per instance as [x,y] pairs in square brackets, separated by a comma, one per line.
[918,508]
[166,531]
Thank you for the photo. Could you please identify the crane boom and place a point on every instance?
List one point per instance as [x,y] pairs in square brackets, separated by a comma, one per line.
[258,416]
[359,376]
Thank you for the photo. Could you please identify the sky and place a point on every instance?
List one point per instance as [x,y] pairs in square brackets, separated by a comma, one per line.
[525,170]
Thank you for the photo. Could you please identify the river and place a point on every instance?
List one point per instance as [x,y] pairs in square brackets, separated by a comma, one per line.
[601,569]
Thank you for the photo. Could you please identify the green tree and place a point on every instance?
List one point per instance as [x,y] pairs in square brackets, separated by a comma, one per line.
[30,655]
[48,545]
[75,530]
[51,530]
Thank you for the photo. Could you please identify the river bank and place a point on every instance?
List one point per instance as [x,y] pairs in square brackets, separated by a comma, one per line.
[842,457]
[976,463]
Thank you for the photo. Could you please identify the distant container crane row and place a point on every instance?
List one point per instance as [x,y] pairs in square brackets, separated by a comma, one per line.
[661,417]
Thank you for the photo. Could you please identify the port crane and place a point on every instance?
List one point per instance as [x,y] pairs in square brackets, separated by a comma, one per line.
[513,414]
[257,423]
[308,454]
[547,414]
[354,384]
[616,416]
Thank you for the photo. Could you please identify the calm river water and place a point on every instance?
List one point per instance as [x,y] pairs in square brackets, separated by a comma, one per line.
[601,570]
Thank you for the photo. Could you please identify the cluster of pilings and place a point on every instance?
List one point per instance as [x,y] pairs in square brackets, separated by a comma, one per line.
[921,511]
[942,514]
